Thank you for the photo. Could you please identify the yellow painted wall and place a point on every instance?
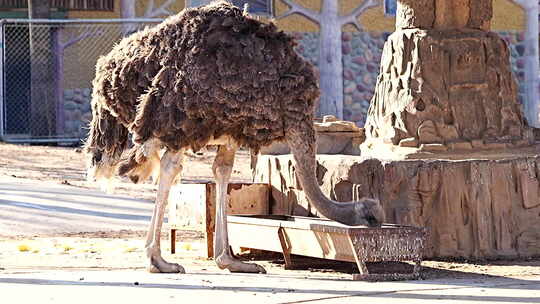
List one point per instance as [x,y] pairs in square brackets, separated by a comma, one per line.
[96,14]
[140,9]
[374,19]
[296,23]
[506,16]
[81,57]
[174,8]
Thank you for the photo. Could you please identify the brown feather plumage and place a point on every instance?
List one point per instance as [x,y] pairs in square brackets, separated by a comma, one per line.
[201,74]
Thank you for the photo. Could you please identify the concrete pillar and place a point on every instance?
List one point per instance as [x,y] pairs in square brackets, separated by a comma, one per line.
[532,66]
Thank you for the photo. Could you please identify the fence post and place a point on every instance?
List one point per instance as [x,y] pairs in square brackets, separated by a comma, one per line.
[2,100]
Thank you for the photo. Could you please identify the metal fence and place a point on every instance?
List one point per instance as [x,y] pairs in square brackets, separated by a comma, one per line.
[47,68]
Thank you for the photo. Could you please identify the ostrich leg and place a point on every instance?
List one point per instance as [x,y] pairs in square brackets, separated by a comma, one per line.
[222,173]
[170,167]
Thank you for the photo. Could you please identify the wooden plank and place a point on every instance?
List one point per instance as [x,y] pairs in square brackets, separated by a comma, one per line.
[322,245]
[285,248]
[254,236]
[86,5]
[359,258]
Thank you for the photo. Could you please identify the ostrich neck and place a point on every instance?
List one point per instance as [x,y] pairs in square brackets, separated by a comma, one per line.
[302,144]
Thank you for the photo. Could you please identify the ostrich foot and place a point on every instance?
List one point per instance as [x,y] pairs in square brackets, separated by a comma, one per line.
[159,265]
[235,265]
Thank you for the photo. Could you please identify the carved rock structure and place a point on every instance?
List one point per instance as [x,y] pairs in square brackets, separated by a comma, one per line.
[445,83]
[476,209]
[446,144]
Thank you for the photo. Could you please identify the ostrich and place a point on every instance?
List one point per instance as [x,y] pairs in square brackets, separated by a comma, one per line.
[207,76]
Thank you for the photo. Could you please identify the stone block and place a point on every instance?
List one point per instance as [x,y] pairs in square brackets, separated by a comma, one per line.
[333,137]
[427,133]
[481,14]
[415,14]
[444,86]
[459,14]
[495,145]
[467,58]
[477,143]
[463,145]
[327,143]
[445,14]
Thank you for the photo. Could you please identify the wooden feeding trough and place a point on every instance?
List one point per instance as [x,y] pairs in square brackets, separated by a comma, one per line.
[321,238]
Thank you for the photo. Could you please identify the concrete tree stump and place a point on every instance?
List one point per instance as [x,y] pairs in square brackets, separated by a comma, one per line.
[445,83]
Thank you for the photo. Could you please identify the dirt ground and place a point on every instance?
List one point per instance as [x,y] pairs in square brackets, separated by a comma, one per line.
[125,249]
[66,165]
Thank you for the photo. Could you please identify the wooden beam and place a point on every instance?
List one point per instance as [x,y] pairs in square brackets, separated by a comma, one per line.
[86,5]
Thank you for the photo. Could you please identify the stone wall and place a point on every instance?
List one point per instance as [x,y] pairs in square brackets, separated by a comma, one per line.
[77,112]
[516,44]
[361,58]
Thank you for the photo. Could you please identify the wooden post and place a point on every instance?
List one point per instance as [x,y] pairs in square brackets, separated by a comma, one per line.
[173,241]
[360,263]
[286,248]
[330,45]
[43,101]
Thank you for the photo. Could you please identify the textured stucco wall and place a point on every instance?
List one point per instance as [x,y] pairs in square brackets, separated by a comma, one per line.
[506,15]
[140,6]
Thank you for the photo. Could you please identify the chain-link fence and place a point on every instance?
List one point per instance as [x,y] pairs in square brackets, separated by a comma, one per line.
[47,70]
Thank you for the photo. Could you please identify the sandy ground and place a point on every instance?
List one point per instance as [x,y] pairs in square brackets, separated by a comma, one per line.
[124,249]
[67,166]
